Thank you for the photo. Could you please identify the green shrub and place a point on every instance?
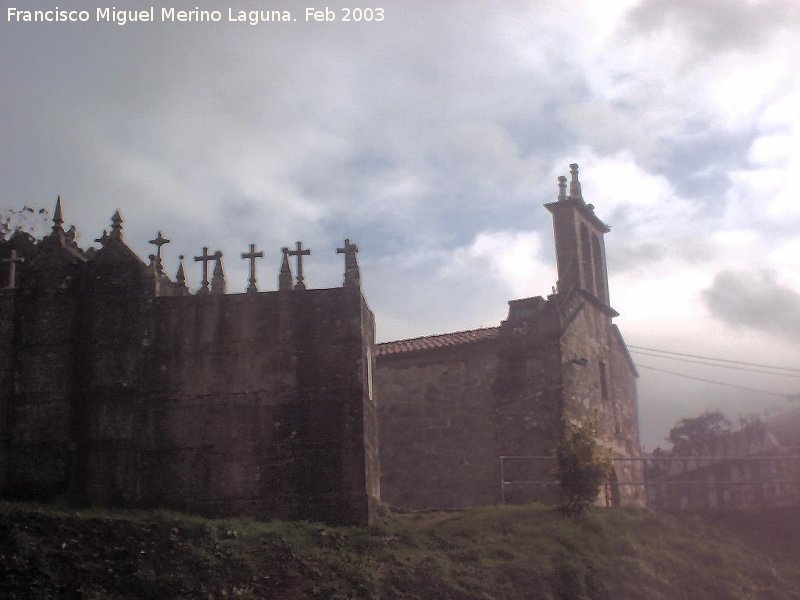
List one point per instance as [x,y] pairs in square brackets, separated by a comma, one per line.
[582,466]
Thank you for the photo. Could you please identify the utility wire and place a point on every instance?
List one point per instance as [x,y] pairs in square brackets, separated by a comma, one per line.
[711,364]
[732,385]
[724,360]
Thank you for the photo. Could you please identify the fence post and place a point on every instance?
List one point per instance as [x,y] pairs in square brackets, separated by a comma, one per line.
[502,482]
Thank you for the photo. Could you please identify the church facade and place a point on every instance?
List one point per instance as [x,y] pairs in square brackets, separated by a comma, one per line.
[120,387]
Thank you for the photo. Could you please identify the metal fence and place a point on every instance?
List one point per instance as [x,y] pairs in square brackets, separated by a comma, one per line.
[669,482]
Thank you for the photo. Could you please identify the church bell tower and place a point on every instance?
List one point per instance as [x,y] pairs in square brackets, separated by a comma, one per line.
[580,249]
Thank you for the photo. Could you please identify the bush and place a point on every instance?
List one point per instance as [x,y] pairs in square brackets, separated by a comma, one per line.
[582,466]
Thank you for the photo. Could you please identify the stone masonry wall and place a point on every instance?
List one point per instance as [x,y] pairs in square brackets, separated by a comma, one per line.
[7,304]
[438,444]
[529,396]
[600,386]
[39,324]
[253,404]
[447,415]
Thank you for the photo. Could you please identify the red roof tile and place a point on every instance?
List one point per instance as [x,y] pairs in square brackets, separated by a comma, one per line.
[431,342]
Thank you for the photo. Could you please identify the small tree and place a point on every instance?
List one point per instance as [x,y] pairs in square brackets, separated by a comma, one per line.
[28,220]
[583,465]
[699,435]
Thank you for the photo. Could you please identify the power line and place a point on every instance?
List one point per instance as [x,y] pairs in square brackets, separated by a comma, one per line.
[711,364]
[724,360]
[731,385]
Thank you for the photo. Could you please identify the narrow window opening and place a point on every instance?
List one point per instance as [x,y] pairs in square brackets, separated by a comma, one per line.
[603,381]
[599,272]
[586,254]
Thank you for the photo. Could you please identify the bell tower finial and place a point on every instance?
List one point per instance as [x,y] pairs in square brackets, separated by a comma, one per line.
[562,188]
[574,184]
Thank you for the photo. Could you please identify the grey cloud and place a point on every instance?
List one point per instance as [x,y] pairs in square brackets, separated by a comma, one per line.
[756,300]
[716,25]
[626,254]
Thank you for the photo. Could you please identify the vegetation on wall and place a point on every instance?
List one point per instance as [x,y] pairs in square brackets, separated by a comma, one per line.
[28,220]
[582,466]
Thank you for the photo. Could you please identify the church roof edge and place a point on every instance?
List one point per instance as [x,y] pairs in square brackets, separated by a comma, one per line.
[435,342]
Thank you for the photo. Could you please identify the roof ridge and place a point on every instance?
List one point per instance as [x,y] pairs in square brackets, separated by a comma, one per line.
[437,341]
[438,335]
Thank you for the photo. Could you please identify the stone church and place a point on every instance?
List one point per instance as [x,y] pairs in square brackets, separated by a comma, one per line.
[118,386]
[451,405]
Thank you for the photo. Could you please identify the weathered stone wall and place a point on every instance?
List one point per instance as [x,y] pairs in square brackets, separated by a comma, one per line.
[39,377]
[254,404]
[448,414]
[437,430]
[529,395]
[600,386]
[7,302]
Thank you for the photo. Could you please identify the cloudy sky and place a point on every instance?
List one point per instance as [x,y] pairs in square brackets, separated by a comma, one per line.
[432,139]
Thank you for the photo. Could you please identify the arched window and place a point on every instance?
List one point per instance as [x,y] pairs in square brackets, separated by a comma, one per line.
[586,253]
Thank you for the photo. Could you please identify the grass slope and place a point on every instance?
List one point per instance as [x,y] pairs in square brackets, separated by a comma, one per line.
[528,552]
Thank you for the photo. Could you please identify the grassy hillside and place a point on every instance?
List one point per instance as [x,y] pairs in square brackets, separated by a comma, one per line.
[494,553]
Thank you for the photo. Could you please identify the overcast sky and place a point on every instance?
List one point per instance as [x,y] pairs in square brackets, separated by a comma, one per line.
[432,139]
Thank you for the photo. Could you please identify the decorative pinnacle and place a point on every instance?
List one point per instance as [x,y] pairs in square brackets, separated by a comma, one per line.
[285,275]
[180,276]
[562,188]
[116,226]
[58,221]
[574,184]
[218,277]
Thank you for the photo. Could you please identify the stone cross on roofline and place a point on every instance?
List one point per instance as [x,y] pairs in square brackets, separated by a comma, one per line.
[352,276]
[12,262]
[252,256]
[299,253]
[205,258]
[159,241]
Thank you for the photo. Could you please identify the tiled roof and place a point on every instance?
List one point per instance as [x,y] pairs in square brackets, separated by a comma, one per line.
[431,342]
